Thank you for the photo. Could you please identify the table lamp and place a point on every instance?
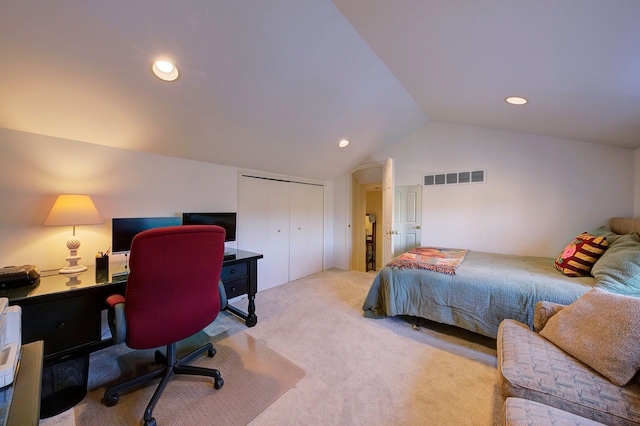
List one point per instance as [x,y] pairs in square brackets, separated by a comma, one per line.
[73,210]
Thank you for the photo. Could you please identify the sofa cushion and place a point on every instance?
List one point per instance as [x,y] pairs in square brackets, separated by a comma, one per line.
[522,412]
[543,311]
[601,330]
[580,255]
[531,367]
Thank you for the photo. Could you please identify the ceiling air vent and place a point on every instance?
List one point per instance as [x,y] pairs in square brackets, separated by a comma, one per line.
[456,178]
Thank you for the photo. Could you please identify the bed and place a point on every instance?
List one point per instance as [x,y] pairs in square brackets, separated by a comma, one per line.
[488,288]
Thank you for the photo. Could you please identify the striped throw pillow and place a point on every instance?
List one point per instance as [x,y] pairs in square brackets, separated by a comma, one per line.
[579,256]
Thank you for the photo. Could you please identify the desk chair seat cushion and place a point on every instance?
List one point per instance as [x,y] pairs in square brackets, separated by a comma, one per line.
[118,323]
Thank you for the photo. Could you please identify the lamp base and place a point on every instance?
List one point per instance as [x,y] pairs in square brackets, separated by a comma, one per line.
[73,267]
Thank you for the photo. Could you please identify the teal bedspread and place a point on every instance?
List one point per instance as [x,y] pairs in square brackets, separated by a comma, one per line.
[486,289]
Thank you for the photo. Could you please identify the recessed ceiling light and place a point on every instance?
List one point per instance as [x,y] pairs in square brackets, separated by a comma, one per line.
[343,143]
[165,70]
[516,100]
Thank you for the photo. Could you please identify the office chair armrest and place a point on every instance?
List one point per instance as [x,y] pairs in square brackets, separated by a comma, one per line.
[115,314]
[223,295]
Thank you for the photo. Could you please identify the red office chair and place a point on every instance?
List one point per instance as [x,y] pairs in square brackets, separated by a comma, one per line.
[173,292]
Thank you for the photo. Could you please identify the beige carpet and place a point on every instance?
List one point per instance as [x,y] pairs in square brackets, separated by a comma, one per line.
[255,376]
[362,371]
[358,371]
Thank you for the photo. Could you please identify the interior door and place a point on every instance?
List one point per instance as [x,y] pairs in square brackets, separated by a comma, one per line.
[387,211]
[407,218]
[264,227]
[306,230]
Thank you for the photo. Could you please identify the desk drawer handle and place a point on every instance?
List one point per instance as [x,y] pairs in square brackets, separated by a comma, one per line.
[233,271]
[233,289]
[61,324]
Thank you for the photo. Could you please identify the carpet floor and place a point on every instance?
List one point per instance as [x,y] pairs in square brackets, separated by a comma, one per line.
[358,371]
[255,376]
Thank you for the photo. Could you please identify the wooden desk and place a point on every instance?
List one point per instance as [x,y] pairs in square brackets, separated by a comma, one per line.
[66,311]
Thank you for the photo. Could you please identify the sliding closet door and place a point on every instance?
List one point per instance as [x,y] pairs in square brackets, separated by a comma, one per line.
[264,227]
[306,230]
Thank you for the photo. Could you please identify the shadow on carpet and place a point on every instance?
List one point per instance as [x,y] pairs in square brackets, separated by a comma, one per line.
[254,377]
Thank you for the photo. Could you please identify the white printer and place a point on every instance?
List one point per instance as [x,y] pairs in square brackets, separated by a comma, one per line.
[10,340]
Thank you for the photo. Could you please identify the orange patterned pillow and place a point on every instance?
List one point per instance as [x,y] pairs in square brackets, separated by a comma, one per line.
[579,256]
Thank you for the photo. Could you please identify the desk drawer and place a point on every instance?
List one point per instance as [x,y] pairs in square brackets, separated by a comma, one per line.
[233,272]
[235,288]
[62,324]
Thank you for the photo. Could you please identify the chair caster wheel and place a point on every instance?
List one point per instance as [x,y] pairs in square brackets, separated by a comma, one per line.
[216,375]
[211,353]
[151,422]
[112,400]
[217,384]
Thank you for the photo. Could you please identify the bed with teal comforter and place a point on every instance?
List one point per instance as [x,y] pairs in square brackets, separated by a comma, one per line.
[486,289]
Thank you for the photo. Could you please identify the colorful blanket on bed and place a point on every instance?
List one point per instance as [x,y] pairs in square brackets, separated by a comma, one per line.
[443,260]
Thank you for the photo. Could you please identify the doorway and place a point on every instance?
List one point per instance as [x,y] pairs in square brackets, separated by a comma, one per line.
[366,199]
[373,226]
[372,187]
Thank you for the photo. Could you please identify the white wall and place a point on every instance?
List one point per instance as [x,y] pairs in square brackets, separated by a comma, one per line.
[579,186]
[636,196]
[34,169]
[340,224]
[540,191]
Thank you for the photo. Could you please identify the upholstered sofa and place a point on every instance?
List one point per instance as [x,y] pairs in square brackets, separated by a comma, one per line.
[539,380]
[524,412]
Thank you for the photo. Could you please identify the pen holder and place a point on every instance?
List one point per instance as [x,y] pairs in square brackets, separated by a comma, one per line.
[102,269]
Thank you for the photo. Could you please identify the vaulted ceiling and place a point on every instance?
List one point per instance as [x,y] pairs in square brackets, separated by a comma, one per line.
[273,85]
[576,61]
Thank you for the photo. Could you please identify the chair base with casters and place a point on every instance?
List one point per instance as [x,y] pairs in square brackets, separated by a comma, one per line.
[171,366]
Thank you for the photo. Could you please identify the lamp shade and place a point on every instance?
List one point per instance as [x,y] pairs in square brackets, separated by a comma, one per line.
[73,209]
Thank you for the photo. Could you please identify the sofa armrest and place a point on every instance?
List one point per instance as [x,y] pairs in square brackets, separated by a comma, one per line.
[545,310]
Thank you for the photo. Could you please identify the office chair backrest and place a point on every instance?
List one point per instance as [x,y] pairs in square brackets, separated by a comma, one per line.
[172,288]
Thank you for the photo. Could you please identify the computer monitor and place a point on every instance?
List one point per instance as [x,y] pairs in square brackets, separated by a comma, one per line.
[124,229]
[225,220]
